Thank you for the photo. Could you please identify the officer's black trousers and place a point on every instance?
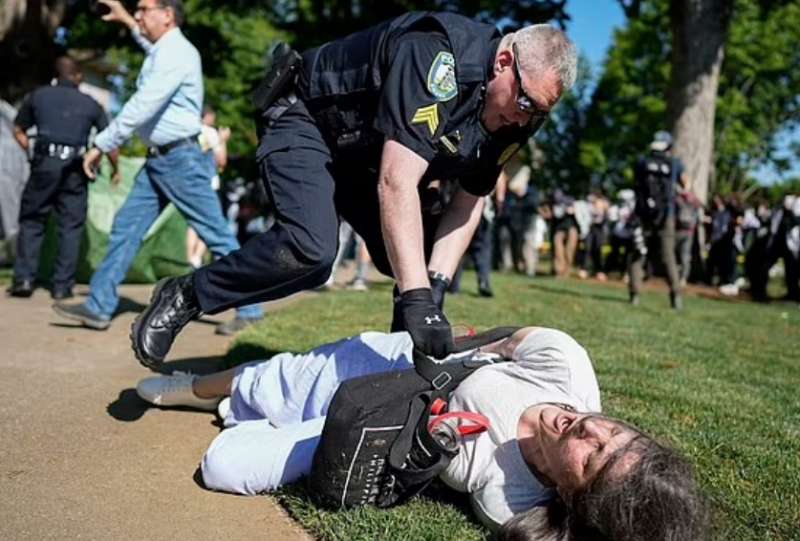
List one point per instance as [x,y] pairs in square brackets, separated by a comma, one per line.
[309,190]
[53,184]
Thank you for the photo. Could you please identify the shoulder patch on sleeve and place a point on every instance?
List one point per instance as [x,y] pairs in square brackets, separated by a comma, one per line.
[428,115]
[442,77]
[507,153]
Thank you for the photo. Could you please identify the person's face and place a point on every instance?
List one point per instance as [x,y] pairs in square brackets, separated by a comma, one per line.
[154,19]
[509,84]
[209,119]
[571,448]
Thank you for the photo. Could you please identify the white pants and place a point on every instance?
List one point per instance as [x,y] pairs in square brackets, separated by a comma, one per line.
[278,409]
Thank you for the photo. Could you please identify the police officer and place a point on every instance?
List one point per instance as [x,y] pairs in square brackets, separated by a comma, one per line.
[369,121]
[64,117]
[656,177]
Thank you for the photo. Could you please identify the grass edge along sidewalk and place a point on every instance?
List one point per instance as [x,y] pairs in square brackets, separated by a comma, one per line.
[718,380]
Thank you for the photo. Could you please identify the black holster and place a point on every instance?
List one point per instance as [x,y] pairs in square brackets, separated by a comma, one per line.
[280,78]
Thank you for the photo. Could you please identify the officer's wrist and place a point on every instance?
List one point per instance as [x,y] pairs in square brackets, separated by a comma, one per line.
[416,295]
[436,276]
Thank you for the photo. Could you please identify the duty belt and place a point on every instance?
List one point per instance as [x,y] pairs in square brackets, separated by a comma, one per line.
[57,150]
[161,150]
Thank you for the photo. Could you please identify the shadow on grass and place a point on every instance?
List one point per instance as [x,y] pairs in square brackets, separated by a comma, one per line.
[243,352]
[564,291]
[327,522]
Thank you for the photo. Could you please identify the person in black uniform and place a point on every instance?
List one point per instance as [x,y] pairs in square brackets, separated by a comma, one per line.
[64,117]
[656,176]
[368,122]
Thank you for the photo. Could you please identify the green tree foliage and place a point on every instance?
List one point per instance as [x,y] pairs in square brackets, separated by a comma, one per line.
[759,90]
[559,157]
[758,93]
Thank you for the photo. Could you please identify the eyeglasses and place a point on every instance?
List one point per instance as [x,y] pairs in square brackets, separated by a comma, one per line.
[525,103]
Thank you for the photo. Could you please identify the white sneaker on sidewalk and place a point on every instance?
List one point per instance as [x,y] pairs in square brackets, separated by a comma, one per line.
[174,390]
[224,407]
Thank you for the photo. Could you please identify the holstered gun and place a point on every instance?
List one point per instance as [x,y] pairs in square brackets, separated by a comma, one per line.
[286,63]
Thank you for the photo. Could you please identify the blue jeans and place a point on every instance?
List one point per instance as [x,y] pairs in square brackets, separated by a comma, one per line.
[179,177]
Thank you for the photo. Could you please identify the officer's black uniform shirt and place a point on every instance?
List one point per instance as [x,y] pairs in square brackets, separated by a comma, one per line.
[419,80]
[62,114]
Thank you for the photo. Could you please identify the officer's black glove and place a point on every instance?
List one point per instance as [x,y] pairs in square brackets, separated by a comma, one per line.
[439,286]
[417,313]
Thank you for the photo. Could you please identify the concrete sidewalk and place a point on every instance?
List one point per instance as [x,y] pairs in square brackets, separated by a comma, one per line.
[82,457]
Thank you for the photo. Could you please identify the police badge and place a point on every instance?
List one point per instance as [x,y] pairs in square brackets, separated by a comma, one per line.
[442,77]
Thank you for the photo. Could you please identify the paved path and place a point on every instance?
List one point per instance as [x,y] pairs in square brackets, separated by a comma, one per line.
[82,457]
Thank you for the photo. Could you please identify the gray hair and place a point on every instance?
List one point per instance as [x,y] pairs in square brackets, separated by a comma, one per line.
[542,48]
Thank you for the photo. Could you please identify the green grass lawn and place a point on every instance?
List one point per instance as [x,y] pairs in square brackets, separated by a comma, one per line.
[720,381]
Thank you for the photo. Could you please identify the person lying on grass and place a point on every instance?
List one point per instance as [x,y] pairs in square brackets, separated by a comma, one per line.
[568,473]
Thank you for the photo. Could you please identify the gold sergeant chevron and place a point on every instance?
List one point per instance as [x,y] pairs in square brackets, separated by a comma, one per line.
[427,115]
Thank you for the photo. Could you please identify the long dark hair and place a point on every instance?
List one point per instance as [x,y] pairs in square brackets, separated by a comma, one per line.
[657,500]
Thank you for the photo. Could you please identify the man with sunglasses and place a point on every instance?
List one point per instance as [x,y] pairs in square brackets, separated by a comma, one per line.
[165,112]
[368,123]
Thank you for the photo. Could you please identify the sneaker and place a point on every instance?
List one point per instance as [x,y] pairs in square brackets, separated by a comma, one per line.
[174,390]
[172,306]
[635,300]
[676,301]
[229,328]
[79,312]
[358,285]
[729,290]
[224,407]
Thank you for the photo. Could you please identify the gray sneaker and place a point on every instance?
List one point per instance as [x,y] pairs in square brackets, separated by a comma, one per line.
[229,328]
[79,312]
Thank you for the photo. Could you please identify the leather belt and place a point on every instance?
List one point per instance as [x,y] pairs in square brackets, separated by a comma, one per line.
[57,150]
[162,150]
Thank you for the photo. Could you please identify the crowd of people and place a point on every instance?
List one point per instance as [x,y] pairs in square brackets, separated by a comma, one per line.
[405,138]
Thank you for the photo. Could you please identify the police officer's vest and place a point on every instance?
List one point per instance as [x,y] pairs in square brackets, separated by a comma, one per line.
[342,80]
[656,189]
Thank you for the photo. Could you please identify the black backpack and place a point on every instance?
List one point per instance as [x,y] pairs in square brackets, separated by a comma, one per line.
[655,188]
[375,447]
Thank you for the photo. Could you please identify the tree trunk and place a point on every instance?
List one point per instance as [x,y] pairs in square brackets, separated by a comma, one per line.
[699,32]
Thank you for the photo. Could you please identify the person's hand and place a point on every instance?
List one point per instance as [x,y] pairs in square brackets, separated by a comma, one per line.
[117,13]
[425,322]
[224,133]
[90,162]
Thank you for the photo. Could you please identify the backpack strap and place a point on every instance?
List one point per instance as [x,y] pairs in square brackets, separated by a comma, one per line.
[445,376]
[412,478]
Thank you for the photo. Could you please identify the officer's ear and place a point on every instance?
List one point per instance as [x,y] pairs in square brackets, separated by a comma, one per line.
[503,60]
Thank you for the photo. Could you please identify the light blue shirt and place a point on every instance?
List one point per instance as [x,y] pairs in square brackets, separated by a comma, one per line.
[168,99]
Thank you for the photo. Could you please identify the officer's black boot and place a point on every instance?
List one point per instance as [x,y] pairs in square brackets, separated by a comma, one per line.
[484,289]
[172,306]
[21,288]
[675,301]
